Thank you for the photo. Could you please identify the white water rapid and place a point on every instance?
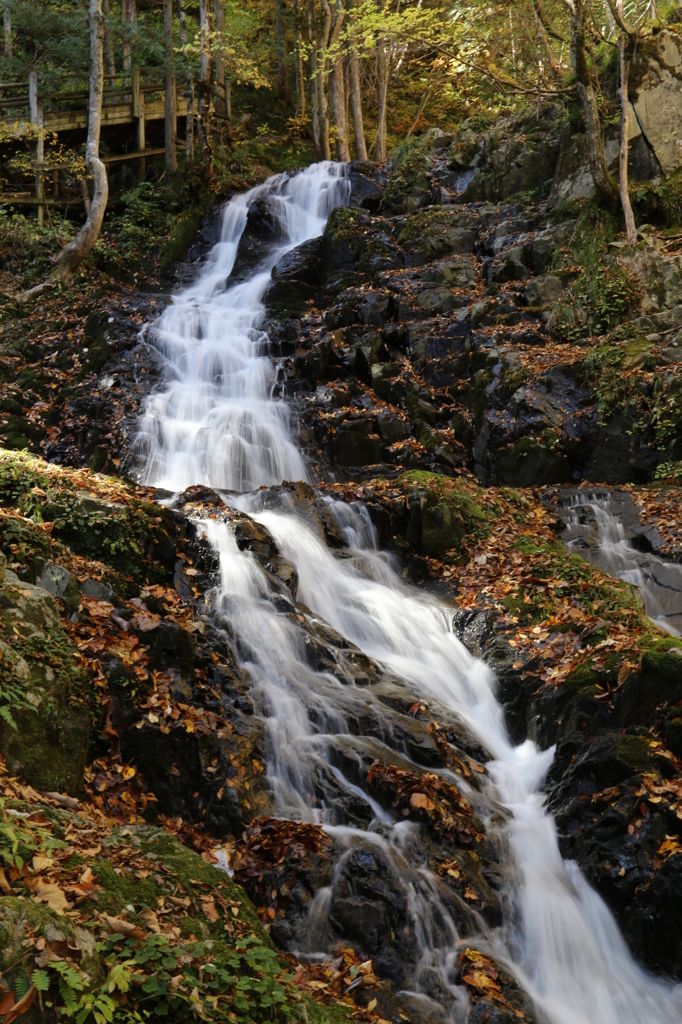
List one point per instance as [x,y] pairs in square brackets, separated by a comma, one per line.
[595,529]
[215,424]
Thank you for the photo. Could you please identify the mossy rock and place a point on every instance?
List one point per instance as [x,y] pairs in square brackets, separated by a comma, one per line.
[183,233]
[125,894]
[658,682]
[528,463]
[441,516]
[45,730]
[20,433]
[136,539]
[409,179]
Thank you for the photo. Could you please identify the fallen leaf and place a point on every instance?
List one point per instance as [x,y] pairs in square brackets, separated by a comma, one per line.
[151,921]
[48,892]
[117,924]
[7,1002]
[209,909]
[22,1006]
[41,863]
[419,800]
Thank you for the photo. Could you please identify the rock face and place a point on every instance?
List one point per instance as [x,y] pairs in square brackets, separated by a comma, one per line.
[655,91]
[45,725]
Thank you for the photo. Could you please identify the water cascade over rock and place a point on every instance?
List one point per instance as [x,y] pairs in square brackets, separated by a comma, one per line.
[337,723]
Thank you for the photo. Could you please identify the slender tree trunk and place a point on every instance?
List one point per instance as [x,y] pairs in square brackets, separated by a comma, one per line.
[298,59]
[603,181]
[282,76]
[129,25]
[220,67]
[170,115]
[76,251]
[382,91]
[322,73]
[624,61]
[7,26]
[339,94]
[314,106]
[356,104]
[189,117]
[338,89]
[108,45]
[203,126]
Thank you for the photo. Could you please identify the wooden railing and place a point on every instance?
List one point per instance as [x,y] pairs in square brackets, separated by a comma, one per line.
[133,97]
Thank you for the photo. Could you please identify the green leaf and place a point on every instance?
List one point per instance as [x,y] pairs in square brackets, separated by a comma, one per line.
[40,980]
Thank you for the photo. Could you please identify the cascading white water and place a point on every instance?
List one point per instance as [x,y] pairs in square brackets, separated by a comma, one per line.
[215,421]
[659,582]
[215,424]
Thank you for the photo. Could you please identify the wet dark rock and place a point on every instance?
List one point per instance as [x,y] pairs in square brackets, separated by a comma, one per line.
[295,279]
[369,905]
[367,184]
[357,444]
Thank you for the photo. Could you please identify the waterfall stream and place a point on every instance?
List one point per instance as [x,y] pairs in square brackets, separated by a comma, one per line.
[214,422]
[595,529]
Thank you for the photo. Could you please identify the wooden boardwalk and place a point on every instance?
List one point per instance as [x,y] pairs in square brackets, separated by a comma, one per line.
[135,97]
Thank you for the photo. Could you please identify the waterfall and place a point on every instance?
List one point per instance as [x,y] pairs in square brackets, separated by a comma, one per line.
[594,529]
[215,423]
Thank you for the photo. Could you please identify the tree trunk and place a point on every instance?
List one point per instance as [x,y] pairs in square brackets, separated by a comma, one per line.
[170,116]
[298,58]
[76,251]
[356,104]
[7,26]
[128,24]
[604,183]
[382,91]
[282,77]
[203,126]
[321,78]
[339,90]
[339,97]
[189,118]
[314,108]
[220,66]
[108,45]
[624,61]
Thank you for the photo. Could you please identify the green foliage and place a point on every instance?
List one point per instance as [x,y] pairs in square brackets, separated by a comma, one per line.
[669,473]
[180,980]
[21,840]
[659,201]
[12,694]
[602,293]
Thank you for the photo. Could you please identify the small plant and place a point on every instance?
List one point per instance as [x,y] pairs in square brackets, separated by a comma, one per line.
[154,976]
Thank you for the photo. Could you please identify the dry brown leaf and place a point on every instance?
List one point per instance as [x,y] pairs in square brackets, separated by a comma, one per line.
[22,1006]
[50,893]
[117,924]
[151,921]
[209,908]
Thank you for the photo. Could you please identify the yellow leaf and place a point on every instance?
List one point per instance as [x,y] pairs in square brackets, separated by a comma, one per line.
[41,863]
[128,772]
[371,1005]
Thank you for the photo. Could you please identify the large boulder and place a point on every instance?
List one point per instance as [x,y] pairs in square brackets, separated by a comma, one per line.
[659,278]
[45,722]
[295,279]
[656,93]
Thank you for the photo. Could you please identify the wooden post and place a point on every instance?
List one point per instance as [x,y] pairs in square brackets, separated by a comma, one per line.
[138,112]
[36,116]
